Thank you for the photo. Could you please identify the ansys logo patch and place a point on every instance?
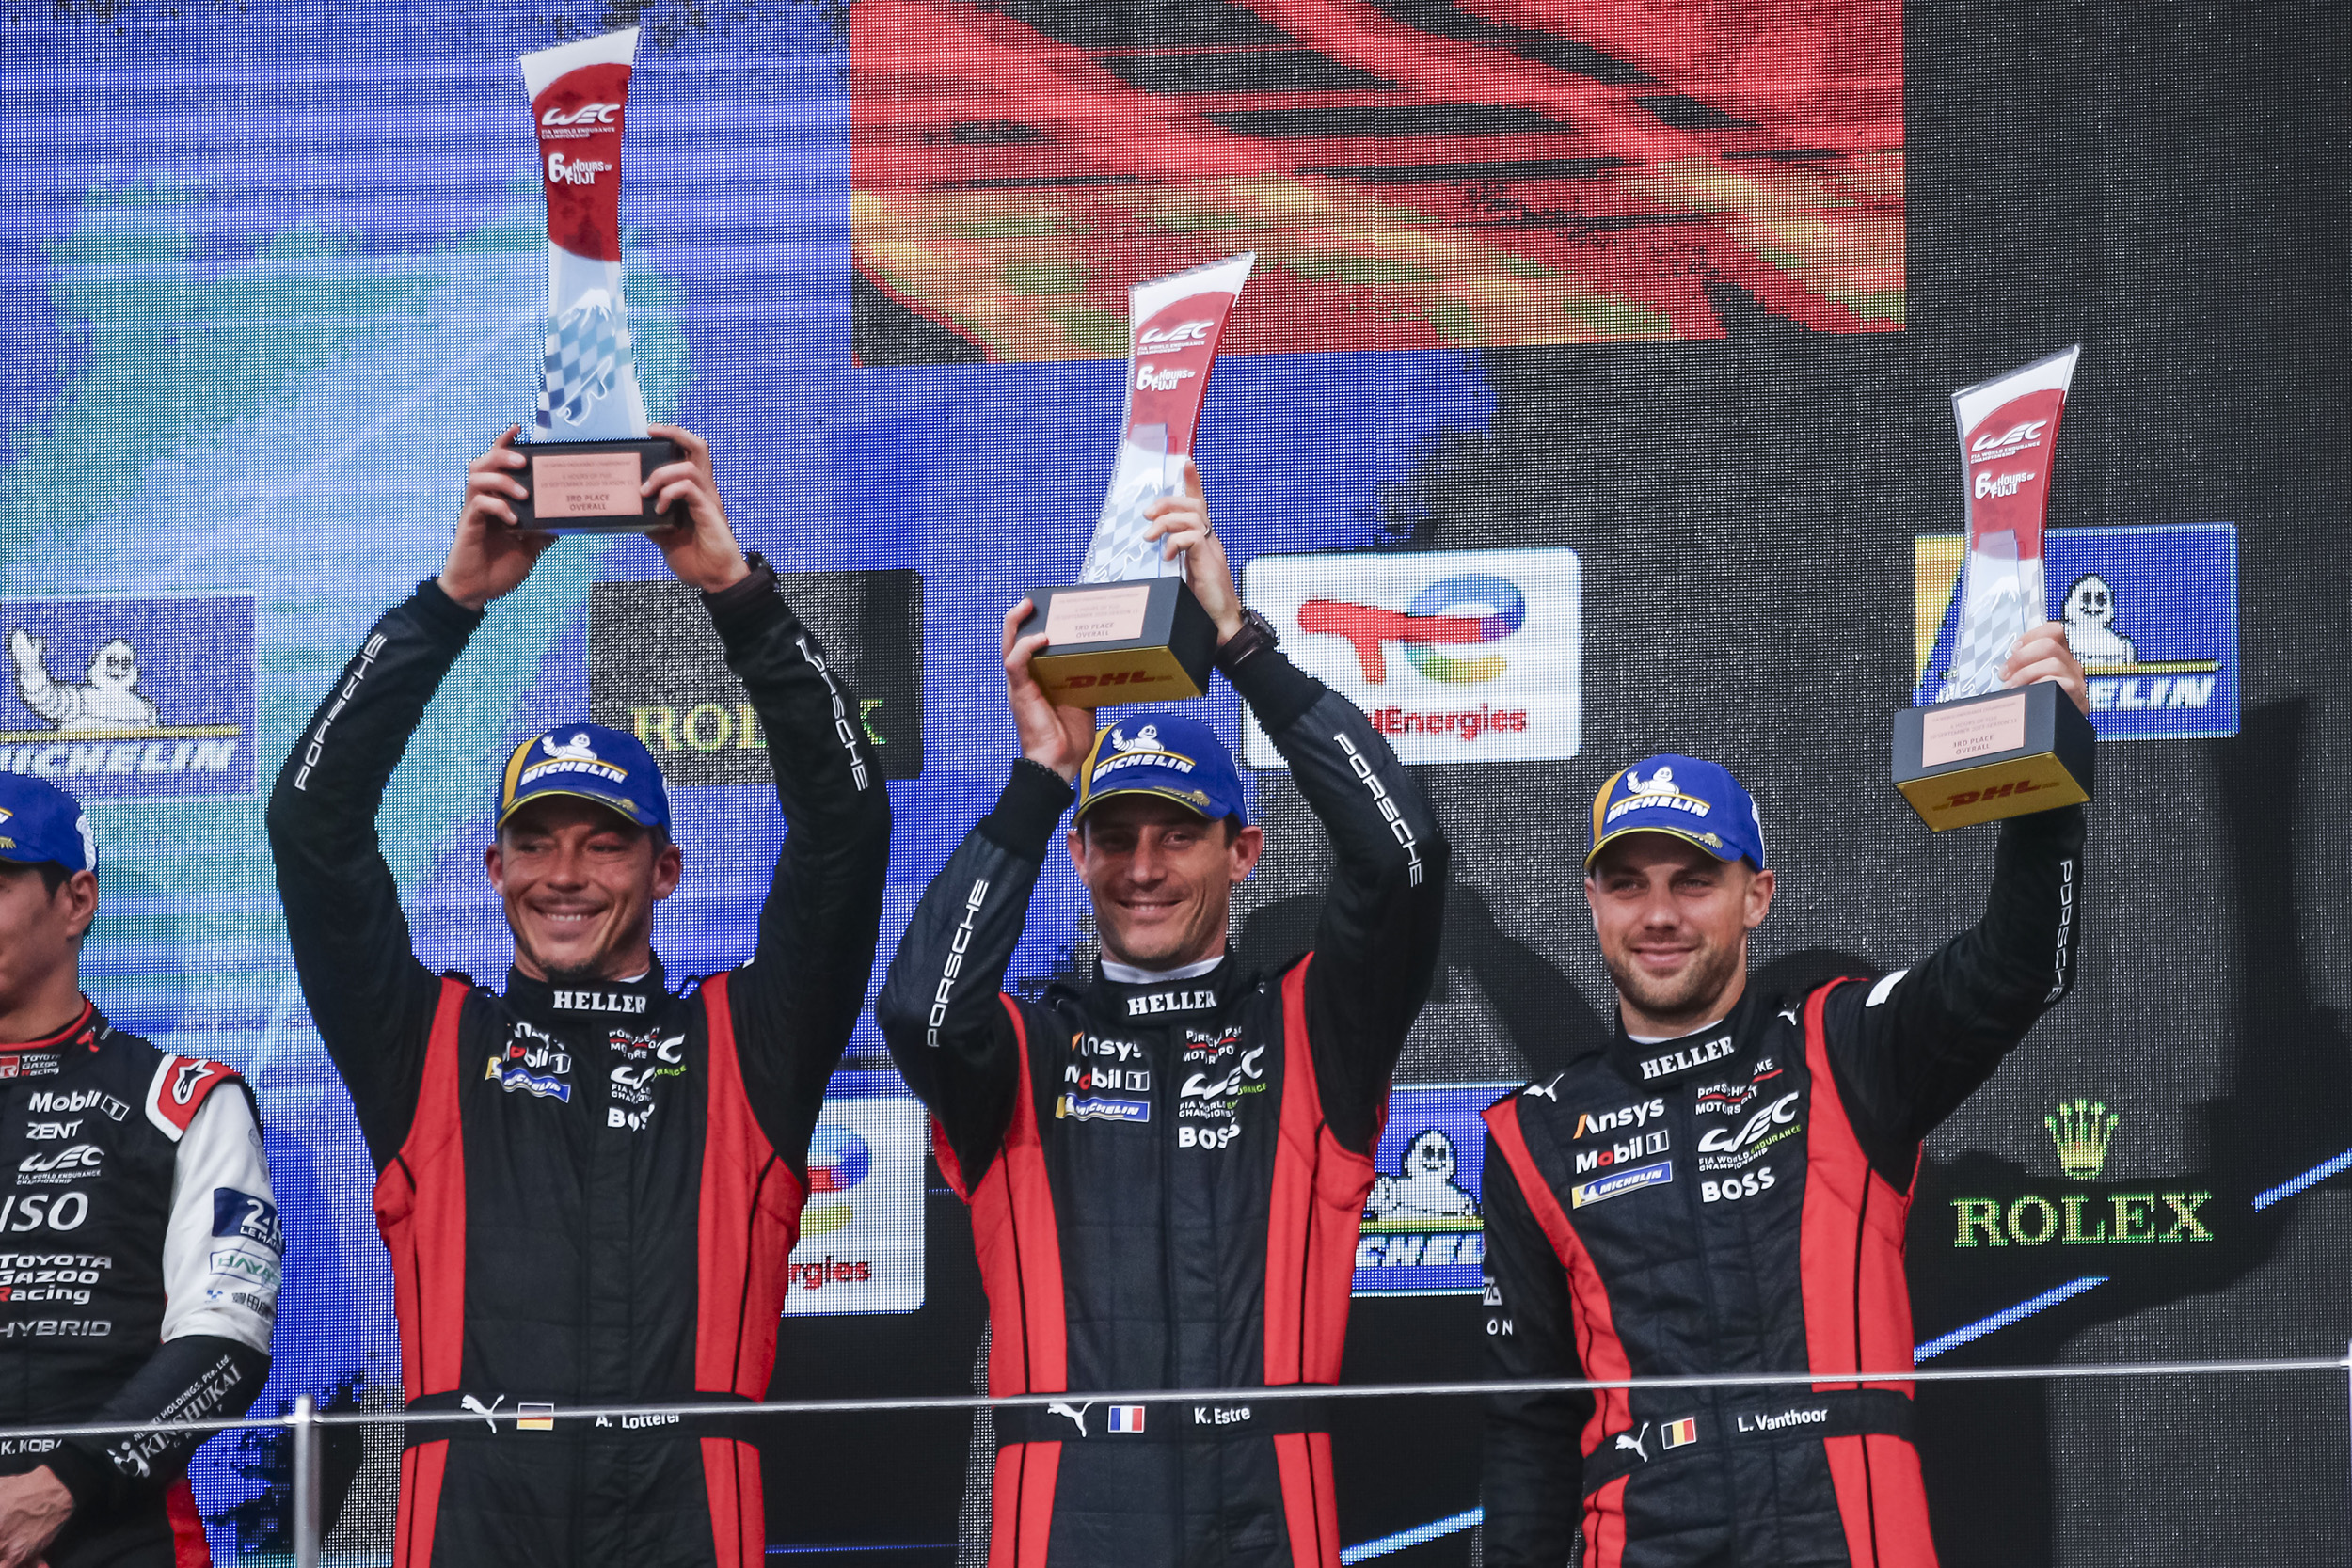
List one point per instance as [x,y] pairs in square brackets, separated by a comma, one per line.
[147,697]
[2150,612]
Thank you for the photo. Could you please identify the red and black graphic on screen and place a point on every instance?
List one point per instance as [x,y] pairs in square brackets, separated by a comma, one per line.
[1411,173]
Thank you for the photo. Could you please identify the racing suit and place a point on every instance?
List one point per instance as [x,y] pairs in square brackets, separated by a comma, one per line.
[1165,1179]
[140,1279]
[589,1189]
[1734,1202]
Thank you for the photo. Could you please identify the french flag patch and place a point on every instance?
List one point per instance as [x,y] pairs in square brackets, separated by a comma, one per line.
[1126,1417]
[1681,1431]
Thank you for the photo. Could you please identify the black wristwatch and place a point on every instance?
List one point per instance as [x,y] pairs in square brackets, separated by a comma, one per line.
[1257,634]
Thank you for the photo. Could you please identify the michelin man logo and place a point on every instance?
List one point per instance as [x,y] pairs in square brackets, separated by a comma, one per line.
[108,699]
[2089,616]
[1425,1186]
[1659,783]
[1147,739]
[575,749]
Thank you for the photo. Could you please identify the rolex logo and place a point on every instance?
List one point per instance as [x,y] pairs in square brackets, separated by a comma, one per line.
[2081,1128]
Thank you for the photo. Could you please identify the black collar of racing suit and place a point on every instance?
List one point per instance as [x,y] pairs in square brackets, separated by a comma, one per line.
[1670,1061]
[89,1027]
[588,1004]
[1201,1000]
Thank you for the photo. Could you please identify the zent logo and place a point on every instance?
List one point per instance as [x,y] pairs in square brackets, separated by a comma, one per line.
[1470,609]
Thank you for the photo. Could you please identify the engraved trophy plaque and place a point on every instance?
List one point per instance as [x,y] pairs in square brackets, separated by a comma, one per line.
[1129,630]
[1980,751]
[587,450]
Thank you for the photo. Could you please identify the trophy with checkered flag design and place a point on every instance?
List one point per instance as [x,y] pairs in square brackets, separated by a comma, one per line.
[588,451]
[1129,630]
[1980,753]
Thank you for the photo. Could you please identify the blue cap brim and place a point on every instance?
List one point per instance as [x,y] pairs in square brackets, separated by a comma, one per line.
[610,802]
[1185,801]
[1726,852]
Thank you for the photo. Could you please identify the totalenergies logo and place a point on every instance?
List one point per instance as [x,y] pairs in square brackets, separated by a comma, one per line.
[1458,611]
[838,1160]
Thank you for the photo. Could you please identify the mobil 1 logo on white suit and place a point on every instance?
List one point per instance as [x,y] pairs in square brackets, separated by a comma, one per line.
[130,698]
[1456,656]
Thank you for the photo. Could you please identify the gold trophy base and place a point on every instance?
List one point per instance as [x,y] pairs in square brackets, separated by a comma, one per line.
[2005,753]
[591,486]
[1142,641]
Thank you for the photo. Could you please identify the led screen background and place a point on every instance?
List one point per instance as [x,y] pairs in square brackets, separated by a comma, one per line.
[269,276]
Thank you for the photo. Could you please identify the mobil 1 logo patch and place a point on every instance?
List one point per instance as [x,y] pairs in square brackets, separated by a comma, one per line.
[130,698]
[656,668]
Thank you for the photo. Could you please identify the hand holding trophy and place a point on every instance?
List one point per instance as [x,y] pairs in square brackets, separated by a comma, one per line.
[591,450]
[2010,731]
[1130,631]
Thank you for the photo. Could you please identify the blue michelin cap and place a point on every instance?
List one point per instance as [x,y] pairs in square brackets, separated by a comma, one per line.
[1699,803]
[1165,754]
[40,822]
[591,763]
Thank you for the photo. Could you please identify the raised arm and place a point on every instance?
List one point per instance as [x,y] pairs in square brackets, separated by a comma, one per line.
[941,1010]
[801,994]
[1908,1049]
[371,1000]
[1383,917]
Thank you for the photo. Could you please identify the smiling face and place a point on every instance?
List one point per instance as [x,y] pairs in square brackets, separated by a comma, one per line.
[1162,878]
[1673,924]
[580,882]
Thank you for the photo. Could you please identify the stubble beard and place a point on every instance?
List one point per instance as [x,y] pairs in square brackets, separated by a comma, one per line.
[1682,998]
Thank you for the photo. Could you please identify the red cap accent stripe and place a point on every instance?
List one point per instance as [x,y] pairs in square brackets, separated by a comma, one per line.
[1597,1345]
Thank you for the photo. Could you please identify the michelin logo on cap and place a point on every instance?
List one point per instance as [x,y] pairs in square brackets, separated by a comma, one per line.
[591,763]
[1687,798]
[1168,755]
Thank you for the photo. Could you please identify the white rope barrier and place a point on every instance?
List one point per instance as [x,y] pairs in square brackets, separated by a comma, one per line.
[299,1418]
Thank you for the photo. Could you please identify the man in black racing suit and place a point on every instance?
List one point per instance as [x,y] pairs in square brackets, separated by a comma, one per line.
[138,1280]
[1167,1165]
[589,1184]
[1723,1188]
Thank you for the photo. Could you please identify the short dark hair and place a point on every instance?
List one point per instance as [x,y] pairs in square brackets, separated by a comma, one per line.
[54,876]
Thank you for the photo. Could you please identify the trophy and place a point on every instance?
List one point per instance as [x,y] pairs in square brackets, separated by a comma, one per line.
[1129,630]
[587,452]
[1980,751]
